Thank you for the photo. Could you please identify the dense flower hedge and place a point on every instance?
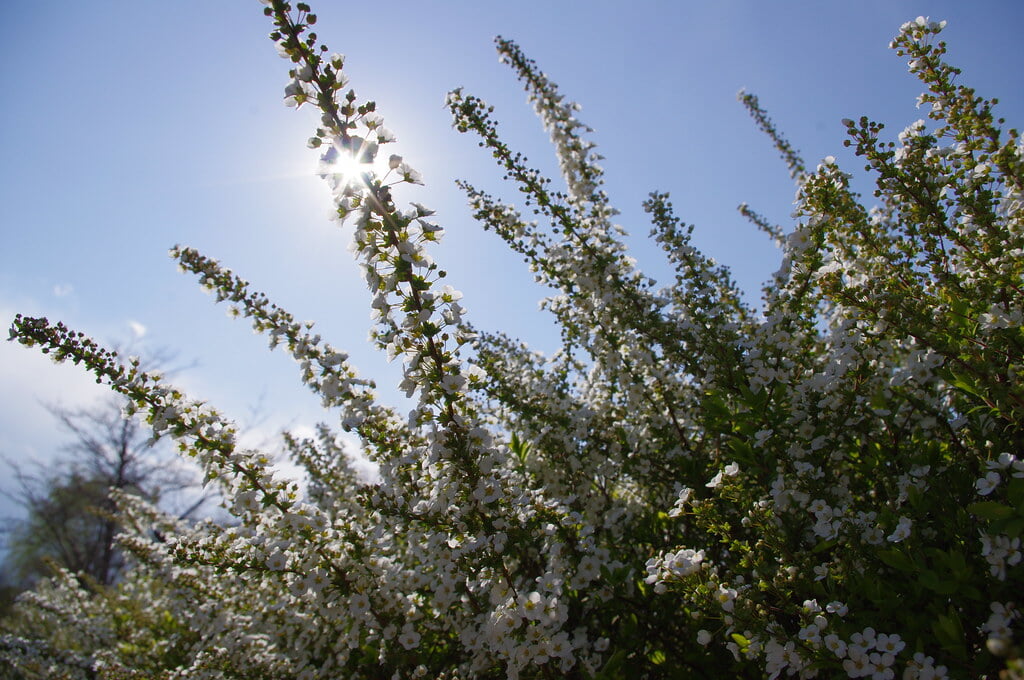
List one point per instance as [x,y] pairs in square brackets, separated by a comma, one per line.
[830,486]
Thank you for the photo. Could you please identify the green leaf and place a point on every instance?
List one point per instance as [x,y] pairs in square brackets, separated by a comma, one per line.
[945,631]
[879,400]
[754,400]
[1015,493]
[1013,528]
[742,450]
[612,668]
[956,562]
[949,632]
[932,581]
[629,627]
[896,559]
[962,384]
[971,593]
[825,545]
[914,497]
[990,510]
[715,407]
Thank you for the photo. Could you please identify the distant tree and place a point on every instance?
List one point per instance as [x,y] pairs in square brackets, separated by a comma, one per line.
[69,512]
[8,592]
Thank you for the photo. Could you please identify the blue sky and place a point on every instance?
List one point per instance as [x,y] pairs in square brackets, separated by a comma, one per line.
[128,127]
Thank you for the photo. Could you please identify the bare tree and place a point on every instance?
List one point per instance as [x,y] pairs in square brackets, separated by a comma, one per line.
[70,516]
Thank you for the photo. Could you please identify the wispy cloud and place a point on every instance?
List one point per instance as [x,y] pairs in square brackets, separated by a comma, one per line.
[138,330]
[63,289]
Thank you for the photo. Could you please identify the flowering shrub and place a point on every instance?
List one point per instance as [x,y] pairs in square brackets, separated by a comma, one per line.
[832,486]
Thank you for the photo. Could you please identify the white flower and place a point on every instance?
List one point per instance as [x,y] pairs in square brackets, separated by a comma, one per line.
[703,637]
[449,294]
[879,665]
[685,494]
[532,606]
[475,374]
[988,483]
[559,645]
[820,507]
[315,580]
[487,490]
[726,597]
[922,667]
[730,470]
[873,535]
[1002,461]
[588,569]
[684,562]
[359,604]
[409,174]
[452,383]
[835,644]
[902,530]
[857,666]
[296,93]
[277,561]
[810,634]
[864,639]
[1000,551]
[409,638]
[889,644]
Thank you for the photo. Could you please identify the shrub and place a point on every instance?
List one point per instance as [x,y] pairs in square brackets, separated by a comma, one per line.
[832,485]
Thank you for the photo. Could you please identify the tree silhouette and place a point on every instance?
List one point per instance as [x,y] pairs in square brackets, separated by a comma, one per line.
[70,516]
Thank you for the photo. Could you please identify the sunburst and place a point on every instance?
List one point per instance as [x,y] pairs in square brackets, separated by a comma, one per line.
[352,159]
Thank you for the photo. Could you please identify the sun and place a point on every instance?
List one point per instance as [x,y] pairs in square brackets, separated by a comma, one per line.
[350,160]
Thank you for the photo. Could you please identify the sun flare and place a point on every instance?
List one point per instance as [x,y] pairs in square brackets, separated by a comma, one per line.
[352,160]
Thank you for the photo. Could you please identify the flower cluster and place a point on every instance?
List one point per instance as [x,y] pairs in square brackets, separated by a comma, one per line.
[672,494]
